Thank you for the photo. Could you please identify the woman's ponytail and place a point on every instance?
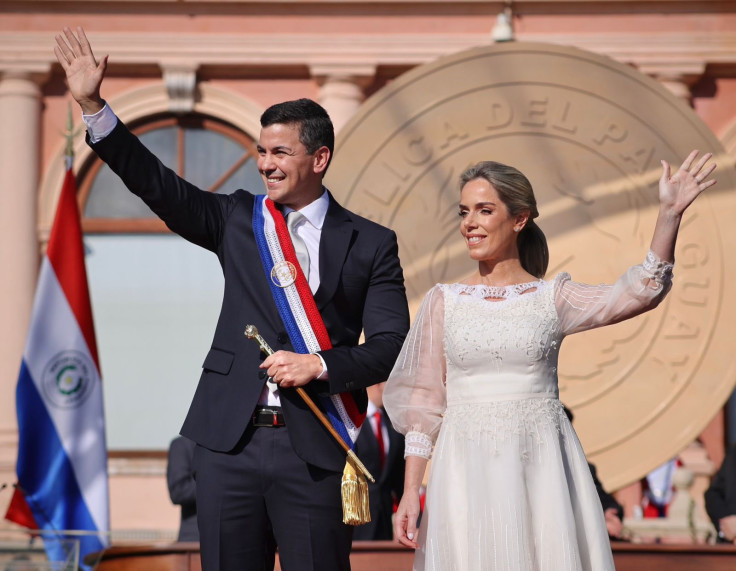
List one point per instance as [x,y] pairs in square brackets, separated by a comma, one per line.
[533,250]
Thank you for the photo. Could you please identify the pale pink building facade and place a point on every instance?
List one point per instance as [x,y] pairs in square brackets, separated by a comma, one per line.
[228,61]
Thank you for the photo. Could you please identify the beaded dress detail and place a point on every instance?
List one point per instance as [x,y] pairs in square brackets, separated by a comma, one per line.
[475,387]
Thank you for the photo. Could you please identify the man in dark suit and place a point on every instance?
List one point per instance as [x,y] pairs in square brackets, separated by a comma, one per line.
[268,473]
[612,510]
[720,498]
[182,486]
[381,449]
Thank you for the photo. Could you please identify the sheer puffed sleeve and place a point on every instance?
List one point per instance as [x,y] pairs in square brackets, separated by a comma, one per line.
[415,396]
[641,288]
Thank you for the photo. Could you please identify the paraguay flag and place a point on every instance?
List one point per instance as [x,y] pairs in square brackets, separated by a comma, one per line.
[62,456]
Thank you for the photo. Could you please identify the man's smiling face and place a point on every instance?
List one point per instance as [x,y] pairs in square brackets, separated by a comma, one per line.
[293,176]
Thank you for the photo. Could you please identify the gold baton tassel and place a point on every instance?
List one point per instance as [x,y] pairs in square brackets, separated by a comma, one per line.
[354,488]
[356,508]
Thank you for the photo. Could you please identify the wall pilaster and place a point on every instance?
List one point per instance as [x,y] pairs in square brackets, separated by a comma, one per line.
[342,89]
[20,120]
[677,76]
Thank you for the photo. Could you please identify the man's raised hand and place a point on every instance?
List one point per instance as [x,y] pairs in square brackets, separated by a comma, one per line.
[83,73]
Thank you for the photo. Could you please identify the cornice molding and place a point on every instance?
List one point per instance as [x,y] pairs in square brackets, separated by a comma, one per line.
[359,73]
[671,53]
[35,71]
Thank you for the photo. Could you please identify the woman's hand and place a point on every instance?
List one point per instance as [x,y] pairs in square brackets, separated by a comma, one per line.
[678,191]
[405,519]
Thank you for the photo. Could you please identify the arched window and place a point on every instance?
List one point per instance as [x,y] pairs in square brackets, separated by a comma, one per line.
[155,297]
[208,153]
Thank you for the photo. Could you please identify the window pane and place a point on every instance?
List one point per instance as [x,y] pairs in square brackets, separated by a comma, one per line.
[247,177]
[108,197]
[162,143]
[208,155]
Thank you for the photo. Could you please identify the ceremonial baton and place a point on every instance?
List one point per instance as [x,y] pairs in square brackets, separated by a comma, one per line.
[251,332]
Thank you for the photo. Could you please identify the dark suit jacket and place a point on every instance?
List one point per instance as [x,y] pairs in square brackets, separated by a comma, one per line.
[361,289]
[389,482]
[182,486]
[720,497]
[607,500]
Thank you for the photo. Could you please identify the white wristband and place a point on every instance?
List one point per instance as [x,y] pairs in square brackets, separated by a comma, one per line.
[417,444]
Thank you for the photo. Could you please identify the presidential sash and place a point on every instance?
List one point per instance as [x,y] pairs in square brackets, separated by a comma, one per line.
[297,307]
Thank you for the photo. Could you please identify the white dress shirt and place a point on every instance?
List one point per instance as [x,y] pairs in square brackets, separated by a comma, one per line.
[310,231]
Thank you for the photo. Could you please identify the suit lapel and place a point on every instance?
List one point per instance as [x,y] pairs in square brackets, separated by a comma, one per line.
[333,247]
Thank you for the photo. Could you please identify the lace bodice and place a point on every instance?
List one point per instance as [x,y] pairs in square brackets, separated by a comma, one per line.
[474,345]
[523,331]
[494,293]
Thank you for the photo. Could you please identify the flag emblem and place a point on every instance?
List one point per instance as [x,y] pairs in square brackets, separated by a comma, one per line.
[67,379]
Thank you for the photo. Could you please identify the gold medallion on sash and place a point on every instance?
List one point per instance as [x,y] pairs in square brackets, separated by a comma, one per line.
[283,274]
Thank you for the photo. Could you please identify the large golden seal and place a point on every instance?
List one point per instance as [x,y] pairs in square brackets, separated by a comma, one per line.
[589,132]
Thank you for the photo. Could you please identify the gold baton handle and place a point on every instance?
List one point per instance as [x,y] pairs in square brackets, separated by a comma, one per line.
[251,332]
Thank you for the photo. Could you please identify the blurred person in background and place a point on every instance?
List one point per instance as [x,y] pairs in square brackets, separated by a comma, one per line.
[720,498]
[381,449]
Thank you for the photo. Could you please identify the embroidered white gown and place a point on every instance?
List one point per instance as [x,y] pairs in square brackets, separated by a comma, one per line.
[509,486]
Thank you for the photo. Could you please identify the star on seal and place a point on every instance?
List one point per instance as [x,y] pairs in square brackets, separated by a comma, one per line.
[283,274]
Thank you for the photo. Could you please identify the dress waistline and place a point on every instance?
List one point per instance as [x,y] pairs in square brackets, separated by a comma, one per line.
[502,398]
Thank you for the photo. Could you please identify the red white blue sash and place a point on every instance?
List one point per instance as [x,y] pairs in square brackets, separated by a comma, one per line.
[297,307]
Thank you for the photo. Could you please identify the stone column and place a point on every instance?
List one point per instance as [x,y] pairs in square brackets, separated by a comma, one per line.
[677,77]
[342,89]
[20,128]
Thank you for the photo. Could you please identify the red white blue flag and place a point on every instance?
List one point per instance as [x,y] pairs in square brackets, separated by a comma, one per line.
[62,455]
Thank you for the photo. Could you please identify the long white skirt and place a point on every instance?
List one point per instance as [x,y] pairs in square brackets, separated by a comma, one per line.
[510,490]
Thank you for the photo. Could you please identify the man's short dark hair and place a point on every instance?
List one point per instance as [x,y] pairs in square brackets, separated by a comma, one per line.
[315,125]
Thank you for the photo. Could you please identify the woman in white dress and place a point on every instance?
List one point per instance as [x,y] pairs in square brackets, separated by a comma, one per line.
[475,386]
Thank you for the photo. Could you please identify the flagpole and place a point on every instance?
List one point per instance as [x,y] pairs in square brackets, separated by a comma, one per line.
[69,135]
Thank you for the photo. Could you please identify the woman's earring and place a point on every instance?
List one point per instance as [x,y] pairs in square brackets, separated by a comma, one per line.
[516,229]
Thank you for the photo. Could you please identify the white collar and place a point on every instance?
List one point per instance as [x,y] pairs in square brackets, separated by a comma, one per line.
[316,211]
[371,410]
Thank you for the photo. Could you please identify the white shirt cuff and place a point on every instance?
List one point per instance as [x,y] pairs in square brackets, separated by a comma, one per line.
[101,124]
[323,375]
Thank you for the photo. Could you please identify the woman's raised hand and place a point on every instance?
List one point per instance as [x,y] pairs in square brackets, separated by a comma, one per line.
[678,191]
[83,73]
